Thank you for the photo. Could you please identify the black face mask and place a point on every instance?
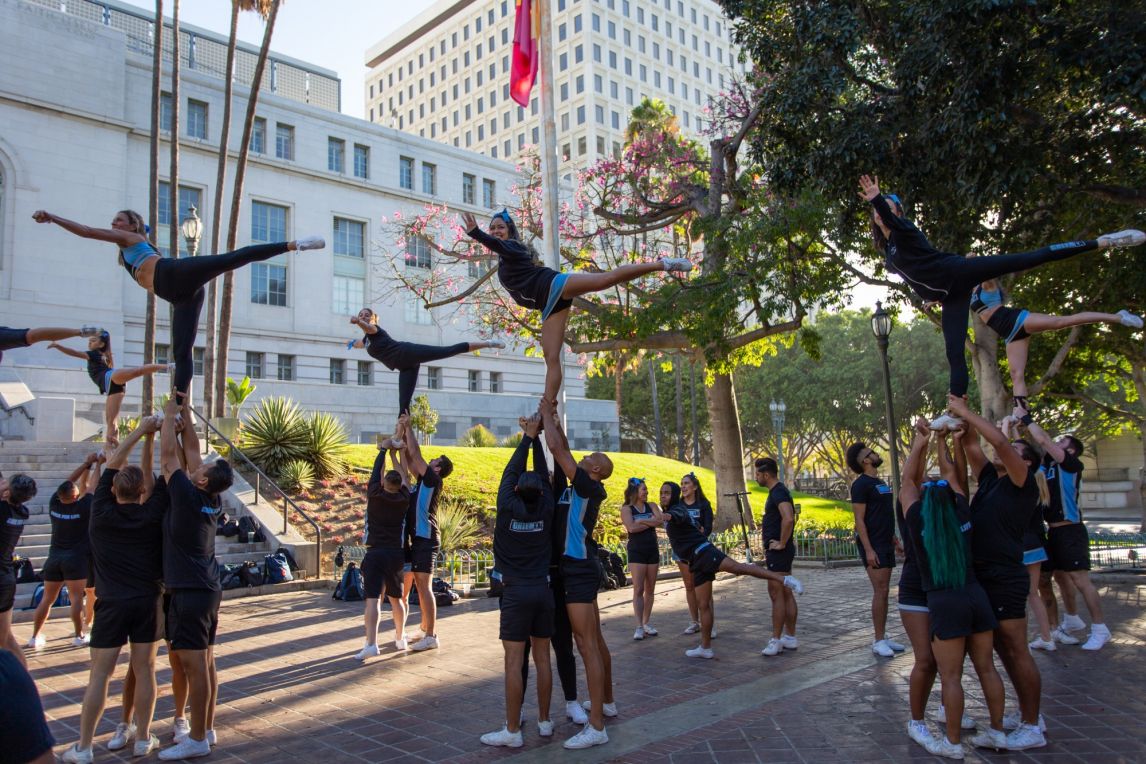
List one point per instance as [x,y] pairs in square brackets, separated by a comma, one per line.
[875,461]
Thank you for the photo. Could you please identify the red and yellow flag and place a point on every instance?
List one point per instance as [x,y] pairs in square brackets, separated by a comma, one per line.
[523,69]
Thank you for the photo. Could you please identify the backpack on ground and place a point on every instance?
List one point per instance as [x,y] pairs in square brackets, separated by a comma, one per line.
[25,571]
[617,569]
[277,568]
[604,570]
[62,599]
[248,525]
[443,594]
[251,574]
[230,576]
[350,588]
[286,553]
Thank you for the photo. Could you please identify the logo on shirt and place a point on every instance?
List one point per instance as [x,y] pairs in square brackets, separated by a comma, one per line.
[883,488]
[566,497]
[527,526]
[207,510]
[15,521]
[965,526]
[61,516]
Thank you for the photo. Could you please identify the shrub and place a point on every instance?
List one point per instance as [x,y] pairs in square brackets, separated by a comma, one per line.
[296,475]
[326,445]
[275,434]
[478,436]
[457,525]
[514,440]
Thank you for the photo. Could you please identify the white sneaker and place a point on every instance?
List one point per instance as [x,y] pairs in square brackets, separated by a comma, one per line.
[1062,637]
[712,633]
[36,642]
[692,628]
[881,649]
[895,646]
[180,730]
[700,652]
[367,651]
[941,746]
[76,755]
[545,727]
[917,731]
[794,584]
[587,738]
[1013,720]
[428,642]
[774,647]
[1038,643]
[639,633]
[788,642]
[1128,238]
[414,636]
[123,733]
[212,740]
[946,422]
[1129,319]
[1026,736]
[503,737]
[190,748]
[90,331]
[496,344]
[989,738]
[575,713]
[81,641]
[144,747]
[1071,622]
[401,644]
[940,715]
[309,242]
[607,709]
[1099,636]
[649,630]
[676,264]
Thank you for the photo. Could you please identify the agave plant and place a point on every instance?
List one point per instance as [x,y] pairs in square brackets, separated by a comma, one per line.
[275,433]
[478,436]
[326,445]
[297,475]
[457,525]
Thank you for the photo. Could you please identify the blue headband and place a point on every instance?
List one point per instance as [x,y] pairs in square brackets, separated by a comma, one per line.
[504,215]
[935,483]
[895,199]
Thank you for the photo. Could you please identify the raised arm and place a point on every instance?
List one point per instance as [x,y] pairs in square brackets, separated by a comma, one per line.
[82,476]
[1016,467]
[399,465]
[1040,436]
[146,462]
[556,440]
[118,458]
[120,238]
[913,468]
[81,471]
[512,473]
[412,451]
[374,485]
[960,453]
[509,247]
[68,351]
[192,459]
[947,468]
[366,326]
[869,189]
[169,450]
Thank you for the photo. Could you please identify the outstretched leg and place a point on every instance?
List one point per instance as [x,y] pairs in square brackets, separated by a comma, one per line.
[176,280]
[1037,323]
[577,284]
[125,375]
[414,355]
[971,271]
[50,334]
[552,337]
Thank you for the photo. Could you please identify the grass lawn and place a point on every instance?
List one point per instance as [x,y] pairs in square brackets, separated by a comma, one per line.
[477,473]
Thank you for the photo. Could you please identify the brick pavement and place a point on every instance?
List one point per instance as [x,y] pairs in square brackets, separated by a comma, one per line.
[291,691]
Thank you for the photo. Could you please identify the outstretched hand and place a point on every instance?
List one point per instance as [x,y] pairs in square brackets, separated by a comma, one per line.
[869,187]
[469,221]
[922,428]
[42,216]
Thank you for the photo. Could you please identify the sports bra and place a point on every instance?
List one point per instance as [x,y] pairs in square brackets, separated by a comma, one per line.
[135,255]
[985,299]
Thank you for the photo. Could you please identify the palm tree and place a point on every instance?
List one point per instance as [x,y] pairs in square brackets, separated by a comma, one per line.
[153,197]
[173,177]
[650,114]
[269,10]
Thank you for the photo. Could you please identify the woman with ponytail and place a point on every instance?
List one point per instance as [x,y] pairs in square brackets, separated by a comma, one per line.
[938,524]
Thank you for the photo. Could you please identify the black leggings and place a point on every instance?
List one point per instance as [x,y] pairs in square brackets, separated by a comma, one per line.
[963,274]
[180,282]
[408,362]
[562,641]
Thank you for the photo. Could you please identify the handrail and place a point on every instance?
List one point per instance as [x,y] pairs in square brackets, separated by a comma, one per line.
[260,476]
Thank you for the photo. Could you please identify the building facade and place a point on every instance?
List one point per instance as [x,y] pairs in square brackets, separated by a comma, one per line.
[74,135]
[445,74]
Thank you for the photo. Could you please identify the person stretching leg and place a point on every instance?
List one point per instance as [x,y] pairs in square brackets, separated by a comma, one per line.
[21,338]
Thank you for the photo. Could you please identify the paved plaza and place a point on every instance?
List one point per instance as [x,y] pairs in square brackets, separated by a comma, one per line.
[291,692]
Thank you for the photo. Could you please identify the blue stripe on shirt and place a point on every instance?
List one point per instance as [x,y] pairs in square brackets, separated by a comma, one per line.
[425,495]
[575,528]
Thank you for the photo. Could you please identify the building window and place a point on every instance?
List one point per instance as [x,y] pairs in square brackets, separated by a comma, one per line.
[406,173]
[254,366]
[197,357]
[269,278]
[335,155]
[416,312]
[429,178]
[474,378]
[348,237]
[349,295]
[418,253]
[286,368]
[165,112]
[488,193]
[495,382]
[433,378]
[361,161]
[284,142]
[162,354]
[188,198]
[259,136]
[469,183]
[365,373]
[337,371]
[196,119]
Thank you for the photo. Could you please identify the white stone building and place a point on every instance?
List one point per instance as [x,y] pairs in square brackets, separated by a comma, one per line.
[445,74]
[74,132]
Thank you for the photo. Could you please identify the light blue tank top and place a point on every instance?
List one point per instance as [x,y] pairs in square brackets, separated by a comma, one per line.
[135,255]
[983,299]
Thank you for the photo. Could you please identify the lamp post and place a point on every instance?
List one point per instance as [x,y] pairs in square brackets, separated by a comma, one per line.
[192,228]
[778,410]
[881,328]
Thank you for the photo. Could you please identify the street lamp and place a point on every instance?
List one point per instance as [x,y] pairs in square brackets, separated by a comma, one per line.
[778,410]
[192,231]
[881,328]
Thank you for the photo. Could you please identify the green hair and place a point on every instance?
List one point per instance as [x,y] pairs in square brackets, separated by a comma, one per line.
[942,537]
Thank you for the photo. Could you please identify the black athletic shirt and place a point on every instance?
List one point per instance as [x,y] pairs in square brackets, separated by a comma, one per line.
[685,529]
[423,518]
[383,348]
[69,525]
[914,539]
[642,540]
[97,366]
[127,542]
[771,525]
[1064,479]
[189,537]
[386,513]
[1001,513]
[582,500]
[522,537]
[879,515]
[912,256]
[526,280]
[13,517]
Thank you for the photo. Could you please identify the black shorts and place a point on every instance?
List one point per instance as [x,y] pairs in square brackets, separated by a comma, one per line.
[779,560]
[644,554]
[192,618]
[423,556]
[1008,596]
[138,620]
[382,572]
[26,733]
[911,597]
[107,386]
[886,555]
[13,338]
[1008,323]
[1069,547]
[960,612]
[7,592]
[705,564]
[527,610]
[581,579]
[67,567]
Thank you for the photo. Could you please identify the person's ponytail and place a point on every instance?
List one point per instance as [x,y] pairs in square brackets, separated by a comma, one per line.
[943,538]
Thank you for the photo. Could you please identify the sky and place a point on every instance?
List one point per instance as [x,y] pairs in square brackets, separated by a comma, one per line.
[333,34]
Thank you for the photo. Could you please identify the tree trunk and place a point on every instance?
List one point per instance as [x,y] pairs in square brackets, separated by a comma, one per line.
[727,449]
[680,442]
[217,215]
[1140,386]
[236,206]
[153,201]
[658,427]
[993,396]
[618,382]
[692,408]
